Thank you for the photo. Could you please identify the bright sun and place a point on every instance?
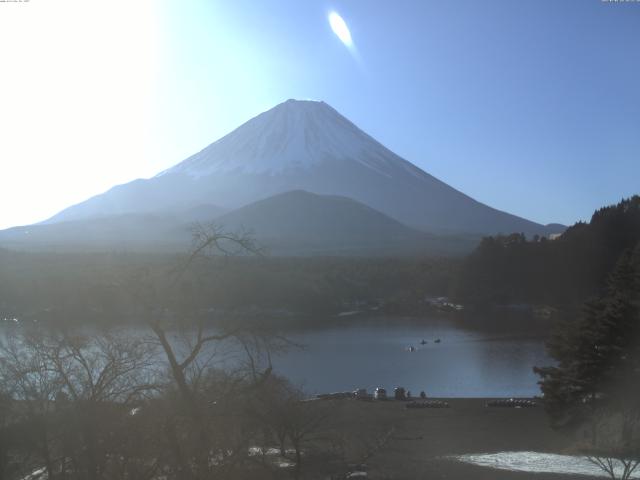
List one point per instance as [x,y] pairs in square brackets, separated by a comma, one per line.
[76,91]
[339,27]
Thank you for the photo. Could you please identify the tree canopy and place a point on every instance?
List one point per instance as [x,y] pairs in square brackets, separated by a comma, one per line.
[514,269]
[595,385]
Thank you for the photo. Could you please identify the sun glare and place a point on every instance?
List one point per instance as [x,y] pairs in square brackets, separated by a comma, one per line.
[339,27]
[76,95]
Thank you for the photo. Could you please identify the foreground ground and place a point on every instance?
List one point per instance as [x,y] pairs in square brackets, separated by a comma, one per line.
[414,443]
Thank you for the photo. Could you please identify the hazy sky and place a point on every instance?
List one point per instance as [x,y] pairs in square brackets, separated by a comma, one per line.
[532,107]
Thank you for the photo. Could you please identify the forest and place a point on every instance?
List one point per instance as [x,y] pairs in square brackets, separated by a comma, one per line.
[194,394]
[65,288]
[513,269]
[95,288]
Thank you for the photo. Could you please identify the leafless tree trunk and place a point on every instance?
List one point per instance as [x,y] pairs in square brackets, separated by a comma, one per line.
[193,359]
[610,464]
[75,385]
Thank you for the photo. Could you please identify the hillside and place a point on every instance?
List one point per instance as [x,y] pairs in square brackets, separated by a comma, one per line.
[302,222]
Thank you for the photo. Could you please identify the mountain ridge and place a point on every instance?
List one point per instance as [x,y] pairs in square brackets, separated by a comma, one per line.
[305,145]
[291,223]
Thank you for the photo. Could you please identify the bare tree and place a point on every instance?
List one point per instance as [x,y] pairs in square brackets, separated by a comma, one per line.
[74,391]
[612,465]
[175,309]
[616,450]
[32,381]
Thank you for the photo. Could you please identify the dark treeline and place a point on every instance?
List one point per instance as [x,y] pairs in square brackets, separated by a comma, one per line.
[63,288]
[86,288]
[564,271]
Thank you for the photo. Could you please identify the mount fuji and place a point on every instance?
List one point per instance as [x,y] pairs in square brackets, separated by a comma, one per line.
[300,146]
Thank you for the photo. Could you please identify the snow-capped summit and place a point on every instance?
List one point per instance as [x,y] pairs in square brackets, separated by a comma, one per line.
[303,145]
[296,134]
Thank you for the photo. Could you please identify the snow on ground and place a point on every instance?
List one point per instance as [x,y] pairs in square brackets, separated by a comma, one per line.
[39,474]
[275,453]
[536,462]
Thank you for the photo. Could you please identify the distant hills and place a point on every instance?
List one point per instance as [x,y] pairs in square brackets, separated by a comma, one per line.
[303,222]
[300,175]
[290,223]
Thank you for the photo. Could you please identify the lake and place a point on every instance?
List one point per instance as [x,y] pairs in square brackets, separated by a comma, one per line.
[366,353]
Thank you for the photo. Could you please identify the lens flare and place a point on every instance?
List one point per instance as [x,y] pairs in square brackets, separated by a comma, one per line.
[339,27]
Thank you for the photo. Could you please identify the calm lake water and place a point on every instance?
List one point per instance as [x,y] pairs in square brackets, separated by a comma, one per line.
[365,353]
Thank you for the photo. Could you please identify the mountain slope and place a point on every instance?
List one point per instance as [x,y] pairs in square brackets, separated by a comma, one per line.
[300,214]
[302,222]
[310,146]
[127,232]
[291,223]
[155,231]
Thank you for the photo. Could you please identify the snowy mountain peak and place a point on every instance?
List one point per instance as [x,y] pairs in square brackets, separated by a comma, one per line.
[303,145]
[294,135]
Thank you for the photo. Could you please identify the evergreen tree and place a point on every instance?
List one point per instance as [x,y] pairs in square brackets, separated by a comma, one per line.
[511,269]
[598,358]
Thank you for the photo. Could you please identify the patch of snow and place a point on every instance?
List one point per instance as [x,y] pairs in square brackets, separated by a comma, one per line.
[357,475]
[269,451]
[291,136]
[536,462]
[280,462]
[39,474]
